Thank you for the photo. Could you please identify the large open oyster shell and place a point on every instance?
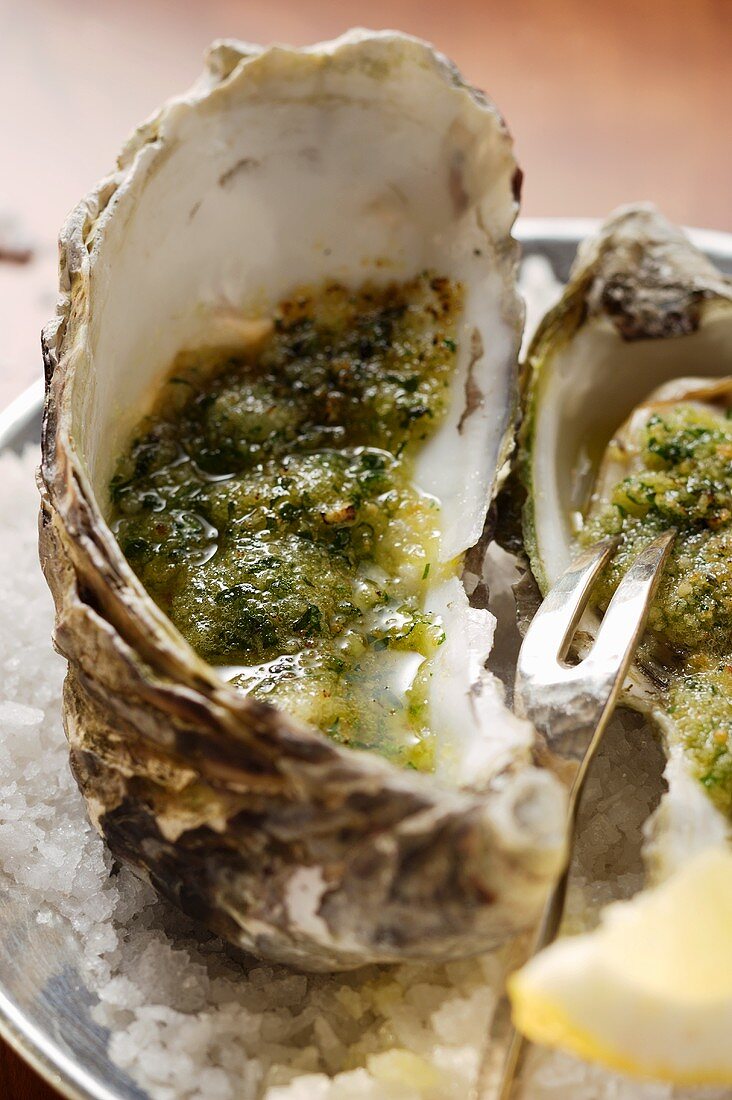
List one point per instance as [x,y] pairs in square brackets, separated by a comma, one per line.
[367,157]
[644,313]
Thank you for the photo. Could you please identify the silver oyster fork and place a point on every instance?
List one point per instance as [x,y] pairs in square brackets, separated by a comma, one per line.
[570,706]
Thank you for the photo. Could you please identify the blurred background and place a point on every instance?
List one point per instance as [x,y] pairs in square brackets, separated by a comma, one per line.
[608,100]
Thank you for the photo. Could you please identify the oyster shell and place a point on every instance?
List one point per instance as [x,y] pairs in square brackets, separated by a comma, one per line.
[643,309]
[362,158]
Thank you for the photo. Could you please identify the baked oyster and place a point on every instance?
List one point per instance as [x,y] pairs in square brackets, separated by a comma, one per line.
[354,168]
[627,434]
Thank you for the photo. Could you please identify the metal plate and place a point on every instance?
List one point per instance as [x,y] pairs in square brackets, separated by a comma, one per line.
[44,1002]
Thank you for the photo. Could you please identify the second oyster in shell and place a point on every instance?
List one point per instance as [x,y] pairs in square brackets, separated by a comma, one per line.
[631,364]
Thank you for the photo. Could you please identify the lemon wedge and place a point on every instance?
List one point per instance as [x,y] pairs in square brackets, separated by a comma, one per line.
[649,992]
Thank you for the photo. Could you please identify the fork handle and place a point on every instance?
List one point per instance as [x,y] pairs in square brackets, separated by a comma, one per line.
[507,1039]
[507,1047]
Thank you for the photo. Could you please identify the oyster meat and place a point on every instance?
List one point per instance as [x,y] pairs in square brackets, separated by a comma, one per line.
[627,434]
[350,168]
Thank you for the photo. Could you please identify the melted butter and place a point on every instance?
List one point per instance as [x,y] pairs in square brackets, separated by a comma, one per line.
[268,506]
[684,480]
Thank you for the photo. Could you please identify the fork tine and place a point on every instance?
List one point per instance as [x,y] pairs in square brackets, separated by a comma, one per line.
[614,643]
[567,703]
[548,637]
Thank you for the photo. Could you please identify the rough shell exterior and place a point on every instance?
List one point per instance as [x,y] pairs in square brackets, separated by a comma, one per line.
[645,276]
[265,831]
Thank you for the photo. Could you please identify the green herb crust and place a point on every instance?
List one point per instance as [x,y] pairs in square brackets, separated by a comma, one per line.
[268,507]
[683,479]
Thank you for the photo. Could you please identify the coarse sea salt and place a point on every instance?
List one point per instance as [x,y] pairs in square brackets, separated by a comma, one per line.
[190,1018]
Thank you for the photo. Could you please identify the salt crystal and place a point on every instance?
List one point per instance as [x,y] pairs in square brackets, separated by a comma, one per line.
[464,1019]
[19,715]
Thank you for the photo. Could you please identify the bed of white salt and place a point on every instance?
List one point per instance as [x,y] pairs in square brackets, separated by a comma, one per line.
[191,1019]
